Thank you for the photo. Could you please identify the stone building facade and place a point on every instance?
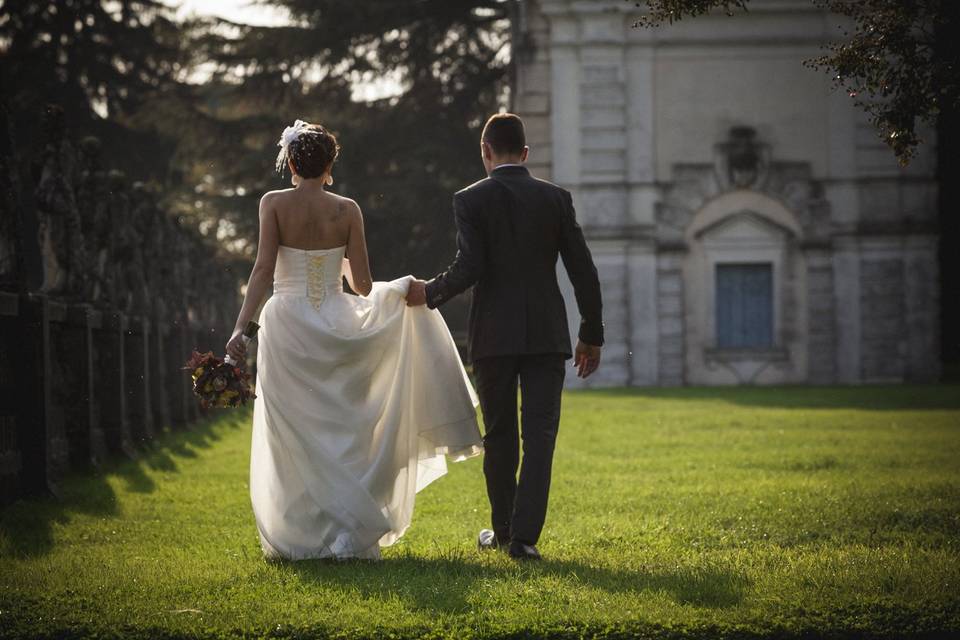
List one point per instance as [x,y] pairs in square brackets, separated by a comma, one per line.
[748,224]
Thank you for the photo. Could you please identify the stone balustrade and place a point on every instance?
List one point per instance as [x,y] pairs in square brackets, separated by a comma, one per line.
[93,340]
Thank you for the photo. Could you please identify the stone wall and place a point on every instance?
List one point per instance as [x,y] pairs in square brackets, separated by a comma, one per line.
[652,129]
[90,361]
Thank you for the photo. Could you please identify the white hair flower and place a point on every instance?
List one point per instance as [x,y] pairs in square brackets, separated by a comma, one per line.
[289,135]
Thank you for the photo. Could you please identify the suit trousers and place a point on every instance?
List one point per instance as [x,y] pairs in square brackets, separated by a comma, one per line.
[519,508]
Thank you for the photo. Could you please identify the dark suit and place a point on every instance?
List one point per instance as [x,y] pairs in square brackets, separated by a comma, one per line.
[511,228]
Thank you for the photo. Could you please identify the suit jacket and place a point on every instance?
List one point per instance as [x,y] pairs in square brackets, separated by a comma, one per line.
[510,229]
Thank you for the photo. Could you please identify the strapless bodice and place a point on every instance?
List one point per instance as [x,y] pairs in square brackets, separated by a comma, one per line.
[312,273]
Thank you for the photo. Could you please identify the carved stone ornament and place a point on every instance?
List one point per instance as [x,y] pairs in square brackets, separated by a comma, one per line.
[741,161]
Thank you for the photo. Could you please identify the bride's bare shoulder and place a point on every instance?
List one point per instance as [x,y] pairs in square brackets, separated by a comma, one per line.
[275,195]
[345,205]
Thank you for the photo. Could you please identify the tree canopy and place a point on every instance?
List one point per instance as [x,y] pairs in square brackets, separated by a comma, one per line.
[100,61]
[405,87]
[195,106]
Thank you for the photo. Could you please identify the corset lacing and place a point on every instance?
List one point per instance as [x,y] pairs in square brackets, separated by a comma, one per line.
[316,287]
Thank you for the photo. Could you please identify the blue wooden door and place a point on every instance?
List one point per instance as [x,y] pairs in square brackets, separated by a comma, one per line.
[744,304]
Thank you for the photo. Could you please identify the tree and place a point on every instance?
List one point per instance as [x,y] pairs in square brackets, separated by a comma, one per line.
[405,151]
[100,61]
[899,62]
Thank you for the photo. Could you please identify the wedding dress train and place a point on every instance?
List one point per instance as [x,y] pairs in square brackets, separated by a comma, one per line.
[358,402]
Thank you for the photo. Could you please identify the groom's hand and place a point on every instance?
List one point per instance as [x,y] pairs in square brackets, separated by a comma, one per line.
[417,293]
[586,358]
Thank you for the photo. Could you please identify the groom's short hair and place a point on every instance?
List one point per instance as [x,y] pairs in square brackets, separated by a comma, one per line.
[504,133]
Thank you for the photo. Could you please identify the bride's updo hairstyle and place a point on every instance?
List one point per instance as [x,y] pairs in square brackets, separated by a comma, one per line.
[314,150]
[310,148]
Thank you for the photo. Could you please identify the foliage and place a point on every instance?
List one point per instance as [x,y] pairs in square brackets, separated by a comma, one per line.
[197,105]
[405,151]
[100,61]
[659,12]
[675,513]
[898,60]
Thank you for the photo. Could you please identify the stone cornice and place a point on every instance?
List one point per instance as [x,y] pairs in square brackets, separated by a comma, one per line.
[637,232]
[560,7]
[577,23]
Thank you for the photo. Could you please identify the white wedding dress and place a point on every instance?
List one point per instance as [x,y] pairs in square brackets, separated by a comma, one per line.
[358,401]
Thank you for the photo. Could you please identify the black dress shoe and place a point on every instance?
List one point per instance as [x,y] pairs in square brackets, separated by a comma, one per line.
[522,551]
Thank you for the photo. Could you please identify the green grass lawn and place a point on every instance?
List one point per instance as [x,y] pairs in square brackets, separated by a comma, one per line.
[682,513]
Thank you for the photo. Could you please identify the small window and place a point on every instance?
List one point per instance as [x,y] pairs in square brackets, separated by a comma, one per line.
[744,303]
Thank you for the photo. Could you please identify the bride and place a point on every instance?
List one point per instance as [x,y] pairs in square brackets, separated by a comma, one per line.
[359,398]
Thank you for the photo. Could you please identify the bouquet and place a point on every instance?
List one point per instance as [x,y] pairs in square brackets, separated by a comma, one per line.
[221,383]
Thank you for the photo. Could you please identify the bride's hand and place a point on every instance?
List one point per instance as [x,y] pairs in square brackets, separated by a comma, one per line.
[236,348]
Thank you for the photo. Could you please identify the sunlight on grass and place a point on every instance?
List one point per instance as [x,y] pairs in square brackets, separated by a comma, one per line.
[681,512]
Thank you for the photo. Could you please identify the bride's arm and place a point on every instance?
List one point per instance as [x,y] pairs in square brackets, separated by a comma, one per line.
[347,271]
[261,276]
[357,264]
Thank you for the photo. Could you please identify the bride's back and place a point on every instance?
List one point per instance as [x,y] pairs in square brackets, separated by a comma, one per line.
[312,219]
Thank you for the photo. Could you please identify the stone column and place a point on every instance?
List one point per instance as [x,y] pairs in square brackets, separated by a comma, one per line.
[531,90]
[590,107]
[88,445]
[160,361]
[642,198]
[178,380]
[922,308]
[671,336]
[641,286]
[43,445]
[111,390]
[137,370]
[846,273]
[641,171]
[13,272]
[842,190]
[821,324]
[565,100]
[883,340]
[11,370]
[610,257]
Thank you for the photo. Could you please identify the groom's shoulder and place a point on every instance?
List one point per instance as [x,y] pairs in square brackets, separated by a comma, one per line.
[476,187]
[482,186]
[548,186]
[476,191]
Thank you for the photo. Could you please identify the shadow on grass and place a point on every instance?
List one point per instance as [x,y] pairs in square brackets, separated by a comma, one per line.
[456,585]
[26,526]
[866,397]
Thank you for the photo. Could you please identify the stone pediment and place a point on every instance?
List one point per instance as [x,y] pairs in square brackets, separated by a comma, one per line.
[744,226]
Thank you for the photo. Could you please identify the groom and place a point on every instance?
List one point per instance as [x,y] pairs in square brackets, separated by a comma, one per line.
[510,229]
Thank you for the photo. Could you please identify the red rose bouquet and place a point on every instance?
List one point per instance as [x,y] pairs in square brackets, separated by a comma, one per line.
[221,383]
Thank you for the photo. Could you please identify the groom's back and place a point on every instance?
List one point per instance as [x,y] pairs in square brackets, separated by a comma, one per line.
[525,224]
[521,215]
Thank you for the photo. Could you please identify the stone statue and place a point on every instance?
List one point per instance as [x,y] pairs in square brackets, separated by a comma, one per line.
[179,266]
[167,287]
[94,218]
[156,255]
[58,219]
[127,261]
[199,281]
[142,218]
